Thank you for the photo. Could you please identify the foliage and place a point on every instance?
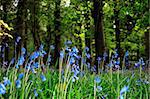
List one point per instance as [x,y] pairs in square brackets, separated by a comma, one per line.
[3,27]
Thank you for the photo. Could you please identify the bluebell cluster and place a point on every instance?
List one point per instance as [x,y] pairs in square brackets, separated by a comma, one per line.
[140,63]
[6,82]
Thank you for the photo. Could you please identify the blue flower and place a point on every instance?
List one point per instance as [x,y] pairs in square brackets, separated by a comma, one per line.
[18,39]
[18,83]
[86,49]
[2,91]
[88,55]
[68,42]
[41,47]
[97,79]
[124,89]
[35,93]
[75,50]
[61,54]
[20,76]
[127,53]
[2,86]
[34,55]
[98,59]
[6,81]
[99,88]
[36,64]
[42,53]
[21,60]
[43,77]
[23,50]
[72,60]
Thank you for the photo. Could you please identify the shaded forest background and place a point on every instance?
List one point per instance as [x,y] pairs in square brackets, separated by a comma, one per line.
[100,25]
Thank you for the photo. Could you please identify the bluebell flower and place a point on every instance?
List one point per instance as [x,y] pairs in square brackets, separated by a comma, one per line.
[88,65]
[137,65]
[18,39]
[2,86]
[41,47]
[6,81]
[17,66]
[86,49]
[62,54]
[23,51]
[2,89]
[21,60]
[97,79]
[68,42]
[18,83]
[75,50]
[35,93]
[88,55]
[42,53]
[36,64]
[99,88]
[72,60]
[98,58]
[67,49]
[43,77]
[141,62]
[127,53]
[5,63]
[33,70]
[20,76]
[124,89]
[117,62]
[34,55]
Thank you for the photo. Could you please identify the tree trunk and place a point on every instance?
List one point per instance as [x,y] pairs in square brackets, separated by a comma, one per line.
[35,23]
[99,34]
[57,32]
[21,25]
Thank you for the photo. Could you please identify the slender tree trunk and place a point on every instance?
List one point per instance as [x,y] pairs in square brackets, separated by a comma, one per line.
[99,34]
[35,23]
[57,32]
[21,25]
[117,32]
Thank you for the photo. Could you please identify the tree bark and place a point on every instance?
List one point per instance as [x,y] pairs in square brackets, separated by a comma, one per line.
[35,23]
[21,25]
[57,32]
[99,34]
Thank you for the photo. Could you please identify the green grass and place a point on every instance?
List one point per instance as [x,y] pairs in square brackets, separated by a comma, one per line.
[56,88]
